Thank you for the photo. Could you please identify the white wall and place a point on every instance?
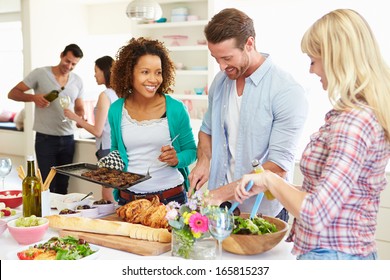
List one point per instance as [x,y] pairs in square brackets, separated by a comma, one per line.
[280,25]
[100,27]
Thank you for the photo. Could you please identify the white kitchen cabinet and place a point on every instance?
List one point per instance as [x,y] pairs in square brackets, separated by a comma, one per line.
[198,67]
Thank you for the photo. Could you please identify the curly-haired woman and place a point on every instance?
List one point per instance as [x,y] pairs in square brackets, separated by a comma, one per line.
[145,120]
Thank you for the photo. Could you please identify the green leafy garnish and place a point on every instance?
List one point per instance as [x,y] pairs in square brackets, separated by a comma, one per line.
[67,248]
[256,225]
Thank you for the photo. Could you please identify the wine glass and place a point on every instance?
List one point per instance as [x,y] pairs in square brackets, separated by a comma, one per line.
[5,169]
[64,102]
[221,224]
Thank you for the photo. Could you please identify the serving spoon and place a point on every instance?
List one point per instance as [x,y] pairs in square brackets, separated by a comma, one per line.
[89,194]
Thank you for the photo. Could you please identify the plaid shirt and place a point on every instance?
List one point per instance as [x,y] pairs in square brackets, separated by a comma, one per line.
[344,173]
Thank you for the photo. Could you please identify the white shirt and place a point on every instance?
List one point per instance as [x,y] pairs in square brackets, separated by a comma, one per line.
[143,141]
[231,127]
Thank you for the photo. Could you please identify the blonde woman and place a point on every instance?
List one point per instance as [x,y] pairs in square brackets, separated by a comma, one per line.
[344,163]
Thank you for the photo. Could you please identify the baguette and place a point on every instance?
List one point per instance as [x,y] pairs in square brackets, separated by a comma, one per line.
[109,227]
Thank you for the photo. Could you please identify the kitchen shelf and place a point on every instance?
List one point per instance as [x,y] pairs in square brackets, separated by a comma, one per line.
[181,39]
[181,24]
[187,48]
[192,72]
[190,96]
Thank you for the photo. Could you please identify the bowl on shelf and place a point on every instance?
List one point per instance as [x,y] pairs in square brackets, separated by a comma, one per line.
[177,40]
[28,235]
[11,198]
[192,17]
[253,244]
[199,91]
[3,226]
[201,42]
[161,20]
[179,65]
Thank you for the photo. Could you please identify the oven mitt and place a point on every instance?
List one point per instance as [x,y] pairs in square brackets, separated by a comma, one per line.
[113,161]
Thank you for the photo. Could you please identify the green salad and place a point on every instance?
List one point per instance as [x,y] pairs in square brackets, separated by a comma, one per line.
[257,225]
[67,248]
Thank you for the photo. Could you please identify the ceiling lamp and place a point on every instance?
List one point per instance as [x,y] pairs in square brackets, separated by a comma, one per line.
[144,10]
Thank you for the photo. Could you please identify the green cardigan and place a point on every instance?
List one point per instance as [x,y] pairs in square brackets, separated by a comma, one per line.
[178,123]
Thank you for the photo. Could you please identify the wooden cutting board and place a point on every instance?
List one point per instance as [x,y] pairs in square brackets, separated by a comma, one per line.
[123,243]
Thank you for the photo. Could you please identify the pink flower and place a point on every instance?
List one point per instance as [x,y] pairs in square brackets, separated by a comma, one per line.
[198,223]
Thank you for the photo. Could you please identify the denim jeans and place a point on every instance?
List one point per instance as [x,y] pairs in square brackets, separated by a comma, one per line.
[326,254]
[283,215]
[54,151]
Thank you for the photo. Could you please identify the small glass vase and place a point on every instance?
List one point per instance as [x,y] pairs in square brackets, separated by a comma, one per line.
[187,247]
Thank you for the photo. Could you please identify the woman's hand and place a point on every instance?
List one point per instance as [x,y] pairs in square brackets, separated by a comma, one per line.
[71,115]
[259,185]
[168,155]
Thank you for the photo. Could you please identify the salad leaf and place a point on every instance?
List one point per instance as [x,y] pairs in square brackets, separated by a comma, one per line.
[257,225]
[67,248]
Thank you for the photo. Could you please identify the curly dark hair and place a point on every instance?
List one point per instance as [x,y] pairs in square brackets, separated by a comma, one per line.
[126,59]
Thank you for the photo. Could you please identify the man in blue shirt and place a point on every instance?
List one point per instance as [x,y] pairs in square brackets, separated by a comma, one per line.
[256,111]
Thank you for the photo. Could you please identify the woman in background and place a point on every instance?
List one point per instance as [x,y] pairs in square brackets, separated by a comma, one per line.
[101,128]
[145,122]
[344,163]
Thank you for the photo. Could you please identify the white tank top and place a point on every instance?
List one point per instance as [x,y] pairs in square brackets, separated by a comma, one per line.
[143,141]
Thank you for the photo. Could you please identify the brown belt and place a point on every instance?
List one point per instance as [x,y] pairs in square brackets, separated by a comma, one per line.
[130,196]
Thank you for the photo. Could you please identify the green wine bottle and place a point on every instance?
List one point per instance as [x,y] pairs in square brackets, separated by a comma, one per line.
[31,191]
[51,96]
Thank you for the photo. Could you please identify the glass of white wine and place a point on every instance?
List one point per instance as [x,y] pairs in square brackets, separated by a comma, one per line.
[64,102]
[5,169]
[221,224]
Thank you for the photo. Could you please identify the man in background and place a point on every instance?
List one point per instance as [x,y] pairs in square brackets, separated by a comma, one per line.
[54,140]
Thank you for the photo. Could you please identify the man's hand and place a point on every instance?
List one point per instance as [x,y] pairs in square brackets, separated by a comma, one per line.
[198,176]
[40,100]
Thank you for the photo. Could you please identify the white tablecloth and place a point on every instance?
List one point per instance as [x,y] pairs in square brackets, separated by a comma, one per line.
[280,252]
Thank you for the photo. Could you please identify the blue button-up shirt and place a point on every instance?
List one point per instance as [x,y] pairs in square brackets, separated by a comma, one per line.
[273,112]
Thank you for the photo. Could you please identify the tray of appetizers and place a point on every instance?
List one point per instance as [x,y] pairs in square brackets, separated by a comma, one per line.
[101,175]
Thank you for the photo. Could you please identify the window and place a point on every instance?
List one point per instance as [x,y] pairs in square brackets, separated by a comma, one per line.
[11,57]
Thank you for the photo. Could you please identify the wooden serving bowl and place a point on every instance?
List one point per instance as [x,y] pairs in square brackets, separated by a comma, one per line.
[247,244]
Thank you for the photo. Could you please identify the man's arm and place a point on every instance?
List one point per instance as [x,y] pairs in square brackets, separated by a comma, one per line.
[17,93]
[226,192]
[200,173]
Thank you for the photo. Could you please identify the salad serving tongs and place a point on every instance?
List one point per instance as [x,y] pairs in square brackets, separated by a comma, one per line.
[235,204]
[255,206]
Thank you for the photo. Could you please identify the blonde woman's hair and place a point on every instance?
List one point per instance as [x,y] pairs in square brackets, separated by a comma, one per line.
[356,72]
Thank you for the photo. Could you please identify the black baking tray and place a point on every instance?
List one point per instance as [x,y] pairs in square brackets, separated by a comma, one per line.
[76,169]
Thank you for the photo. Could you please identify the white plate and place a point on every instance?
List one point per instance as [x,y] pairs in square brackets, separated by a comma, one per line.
[13,217]
[13,254]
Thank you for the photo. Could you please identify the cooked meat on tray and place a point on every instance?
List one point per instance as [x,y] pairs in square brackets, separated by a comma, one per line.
[113,177]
